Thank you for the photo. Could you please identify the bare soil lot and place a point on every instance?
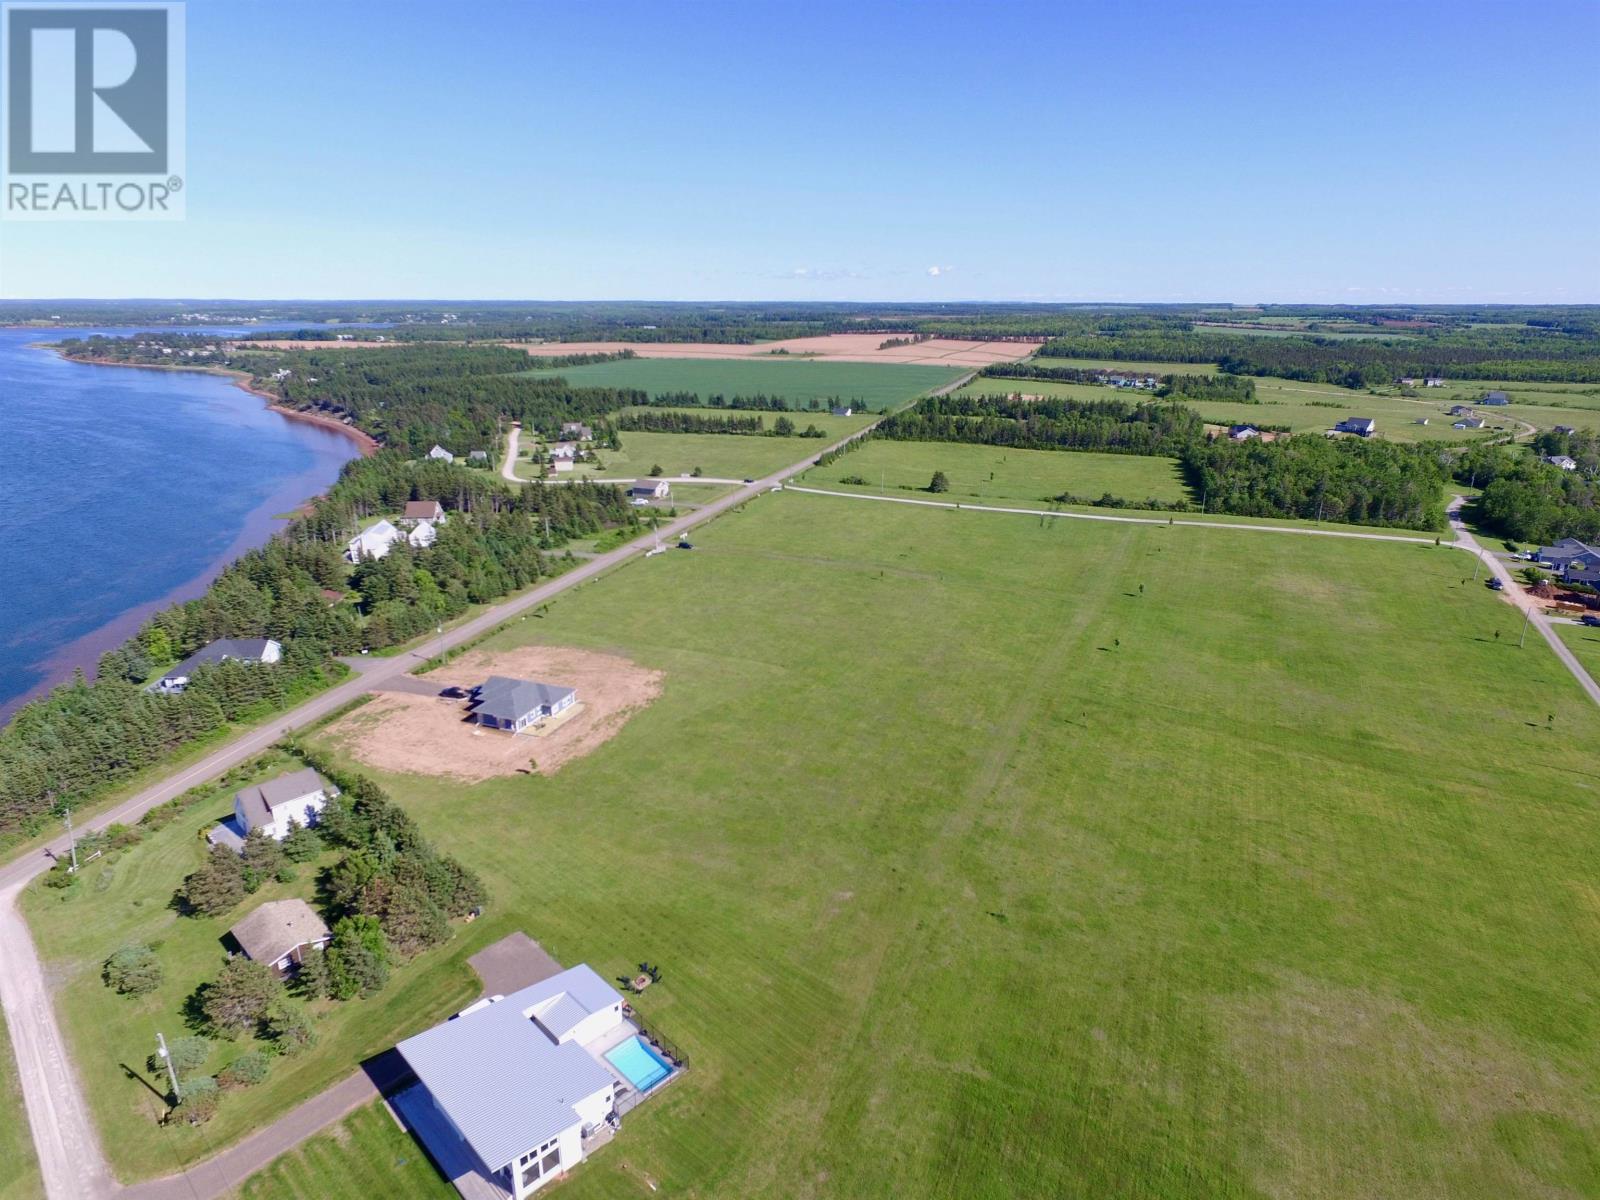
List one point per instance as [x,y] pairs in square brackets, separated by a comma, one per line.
[426,735]
[839,347]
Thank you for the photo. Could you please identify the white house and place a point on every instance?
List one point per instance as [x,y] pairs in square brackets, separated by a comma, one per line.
[510,1093]
[841,410]
[1563,461]
[563,450]
[250,650]
[281,933]
[270,806]
[645,490]
[422,510]
[1360,426]
[378,539]
[577,431]
[1243,433]
[1433,381]
[443,455]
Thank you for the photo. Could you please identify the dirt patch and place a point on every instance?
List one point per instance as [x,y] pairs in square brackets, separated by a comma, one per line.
[426,735]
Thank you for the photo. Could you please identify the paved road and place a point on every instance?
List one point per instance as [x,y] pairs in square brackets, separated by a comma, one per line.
[70,1158]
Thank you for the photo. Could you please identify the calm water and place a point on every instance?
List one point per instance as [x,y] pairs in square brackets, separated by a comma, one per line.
[123,489]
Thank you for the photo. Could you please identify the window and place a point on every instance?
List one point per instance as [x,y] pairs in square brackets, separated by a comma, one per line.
[548,1159]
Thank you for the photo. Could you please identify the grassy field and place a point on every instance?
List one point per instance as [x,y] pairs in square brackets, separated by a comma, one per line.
[19,1170]
[125,898]
[365,1155]
[1113,364]
[986,859]
[1584,642]
[719,455]
[878,385]
[1004,476]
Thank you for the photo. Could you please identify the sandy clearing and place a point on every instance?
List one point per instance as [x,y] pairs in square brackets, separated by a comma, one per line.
[424,735]
[836,347]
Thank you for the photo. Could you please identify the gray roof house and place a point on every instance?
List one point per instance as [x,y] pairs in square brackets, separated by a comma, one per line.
[1564,461]
[842,410]
[1242,433]
[279,933]
[263,650]
[644,490]
[1563,552]
[1495,398]
[509,1091]
[1360,426]
[1562,429]
[577,430]
[296,797]
[443,455]
[1468,422]
[500,702]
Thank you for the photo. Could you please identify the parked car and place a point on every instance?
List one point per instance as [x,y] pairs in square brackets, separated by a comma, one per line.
[1495,585]
[1589,619]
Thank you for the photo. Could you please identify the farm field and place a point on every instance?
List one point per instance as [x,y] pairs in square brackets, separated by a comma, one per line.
[720,455]
[798,380]
[835,347]
[19,1171]
[1004,476]
[125,898]
[966,939]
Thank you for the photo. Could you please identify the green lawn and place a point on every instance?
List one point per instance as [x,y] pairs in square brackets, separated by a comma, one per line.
[125,897]
[719,455]
[878,385]
[366,1155]
[1584,642]
[996,475]
[983,859]
[19,1170]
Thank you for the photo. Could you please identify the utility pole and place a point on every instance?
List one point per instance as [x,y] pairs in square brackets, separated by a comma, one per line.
[1527,616]
[172,1073]
[1477,561]
[72,841]
[440,632]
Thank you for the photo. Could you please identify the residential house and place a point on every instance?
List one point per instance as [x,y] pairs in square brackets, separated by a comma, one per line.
[422,510]
[560,451]
[1499,399]
[515,704]
[1563,552]
[281,933]
[1564,429]
[378,539]
[443,455]
[510,1093]
[645,490]
[298,796]
[1420,421]
[842,410]
[577,431]
[478,456]
[1563,461]
[249,650]
[1243,433]
[1468,422]
[1461,410]
[1408,381]
[1433,381]
[1360,426]
[562,464]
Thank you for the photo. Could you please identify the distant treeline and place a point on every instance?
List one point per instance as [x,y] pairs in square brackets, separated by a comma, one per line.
[83,738]
[679,422]
[1054,423]
[1532,501]
[1362,482]
[760,402]
[1234,388]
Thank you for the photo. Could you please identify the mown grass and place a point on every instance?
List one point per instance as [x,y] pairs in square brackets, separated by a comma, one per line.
[19,1169]
[998,475]
[126,897]
[799,380]
[987,858]
[1584,642]
[719,455]
[365,1155]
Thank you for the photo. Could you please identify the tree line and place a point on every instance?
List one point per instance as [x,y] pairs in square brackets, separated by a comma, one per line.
[1054,423]
[1528,500]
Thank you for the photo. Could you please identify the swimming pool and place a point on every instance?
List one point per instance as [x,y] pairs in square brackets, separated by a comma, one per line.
[639,1064]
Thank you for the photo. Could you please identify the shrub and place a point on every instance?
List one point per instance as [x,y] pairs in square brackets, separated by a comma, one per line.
[358,958]
[241,996]
[201,1097]
[249,1069]
[287,1031]
[939,483]
[187,1053]
[218,884]
[134,970]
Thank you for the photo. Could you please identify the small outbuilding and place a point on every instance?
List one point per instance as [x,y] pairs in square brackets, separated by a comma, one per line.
[281,933]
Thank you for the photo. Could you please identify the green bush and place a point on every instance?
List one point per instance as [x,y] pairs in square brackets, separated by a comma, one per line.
[249,1069]
[188,1054]
[134,970]
[201,1096]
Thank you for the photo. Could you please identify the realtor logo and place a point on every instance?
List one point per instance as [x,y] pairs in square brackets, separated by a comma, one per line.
[93,124]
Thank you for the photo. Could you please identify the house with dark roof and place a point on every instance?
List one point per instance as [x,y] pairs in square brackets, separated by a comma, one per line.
[1568,429]
[1564,461]
[500,702]
[1498,399]
[1243,433]
[577,431]
[645,490]
[422,510]
[1360,426]
[281,933]
[247,650]
[1468,422]
[1563,552]
[1461,410]
[842,410]
[512,1092]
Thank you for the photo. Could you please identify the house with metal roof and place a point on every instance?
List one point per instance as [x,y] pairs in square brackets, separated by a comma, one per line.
[440,454]
[1495,398]
[645,490]
[511,1092]
[1243,433]
[1360,426]
[500,702]
[249,650]
[297,797]
[377,539]
[281,933]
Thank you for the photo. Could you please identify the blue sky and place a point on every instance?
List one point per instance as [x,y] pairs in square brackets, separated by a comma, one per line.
[1340,152]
